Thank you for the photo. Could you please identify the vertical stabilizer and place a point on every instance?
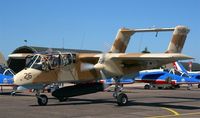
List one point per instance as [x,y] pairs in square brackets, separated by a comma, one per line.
[121,41]
[178,66]
[178,39]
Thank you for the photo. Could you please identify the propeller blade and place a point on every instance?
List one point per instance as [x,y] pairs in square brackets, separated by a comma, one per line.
[87,66]
[103,76]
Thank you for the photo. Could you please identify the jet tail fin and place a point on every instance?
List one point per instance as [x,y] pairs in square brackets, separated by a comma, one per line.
[178,66]
[178,39]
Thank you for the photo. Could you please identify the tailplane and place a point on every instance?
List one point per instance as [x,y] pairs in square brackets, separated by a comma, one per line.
[123,37]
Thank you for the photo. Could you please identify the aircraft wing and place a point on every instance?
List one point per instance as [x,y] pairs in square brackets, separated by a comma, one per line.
[157,59]
[149,56]
[134,59]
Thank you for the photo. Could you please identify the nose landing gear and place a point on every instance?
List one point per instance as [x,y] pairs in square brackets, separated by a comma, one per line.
[41,99]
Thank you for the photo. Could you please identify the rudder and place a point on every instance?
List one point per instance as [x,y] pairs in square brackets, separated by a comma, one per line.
[178,39]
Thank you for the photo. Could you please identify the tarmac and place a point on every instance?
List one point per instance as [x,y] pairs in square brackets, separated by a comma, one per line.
[181,103]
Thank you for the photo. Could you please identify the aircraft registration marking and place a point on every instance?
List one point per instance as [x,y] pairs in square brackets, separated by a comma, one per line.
[27,76]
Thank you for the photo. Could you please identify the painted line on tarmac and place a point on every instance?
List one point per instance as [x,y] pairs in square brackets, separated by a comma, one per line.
[171,110]
[175,113]
[167,116]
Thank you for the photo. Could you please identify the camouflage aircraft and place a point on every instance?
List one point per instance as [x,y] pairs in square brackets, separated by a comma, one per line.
[85,69]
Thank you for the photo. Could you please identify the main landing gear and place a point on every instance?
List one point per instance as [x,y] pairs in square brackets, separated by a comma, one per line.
[64,93]
[121,97]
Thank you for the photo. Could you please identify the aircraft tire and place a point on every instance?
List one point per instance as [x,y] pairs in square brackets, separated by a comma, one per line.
[147,86]
[42,100]
[13,93]
[198,85]
[160,87]
[122,99]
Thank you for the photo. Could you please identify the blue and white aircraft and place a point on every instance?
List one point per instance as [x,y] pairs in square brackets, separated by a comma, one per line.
[6,74]
[6,77]
[193,74]
[123,80]
[161,78]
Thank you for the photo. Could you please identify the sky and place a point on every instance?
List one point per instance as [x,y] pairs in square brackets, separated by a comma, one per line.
[93,24]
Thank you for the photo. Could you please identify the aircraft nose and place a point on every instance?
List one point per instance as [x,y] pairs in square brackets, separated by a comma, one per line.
[18,78]
[25,76]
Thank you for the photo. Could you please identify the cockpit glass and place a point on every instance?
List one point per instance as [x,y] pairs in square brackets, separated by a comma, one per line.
[35,62]
[30,61]
[50,62]
[8,73]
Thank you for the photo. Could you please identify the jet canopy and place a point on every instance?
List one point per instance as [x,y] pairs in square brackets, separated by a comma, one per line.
[4,70]
[46,62]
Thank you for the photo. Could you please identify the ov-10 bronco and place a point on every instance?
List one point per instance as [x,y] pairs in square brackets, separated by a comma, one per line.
[85,69]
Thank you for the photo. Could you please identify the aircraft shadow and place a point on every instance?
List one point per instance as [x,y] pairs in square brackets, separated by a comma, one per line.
[185,98]
[78,101]
[163,104]
[16,94]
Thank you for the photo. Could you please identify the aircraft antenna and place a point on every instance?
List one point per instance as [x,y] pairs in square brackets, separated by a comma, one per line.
[63,43]
[25,41]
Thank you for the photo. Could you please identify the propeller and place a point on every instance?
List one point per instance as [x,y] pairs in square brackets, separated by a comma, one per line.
[86,66]
[99,66]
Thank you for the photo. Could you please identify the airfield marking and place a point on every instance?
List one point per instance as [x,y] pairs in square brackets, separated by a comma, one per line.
[171,110]
[166,116]
[168,109]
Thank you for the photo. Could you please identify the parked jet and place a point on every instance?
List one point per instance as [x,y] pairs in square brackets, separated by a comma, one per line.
[6,74]
[82,69]
[123,80]
[160,78]
[193,74]
[173,78]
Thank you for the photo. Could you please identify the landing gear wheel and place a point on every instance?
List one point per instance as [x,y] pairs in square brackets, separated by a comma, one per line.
[189,88]
[147,86]
[122,99]
[62,99]
[13,93]
[160,87]
[115,95]
[198,85]
[42,100]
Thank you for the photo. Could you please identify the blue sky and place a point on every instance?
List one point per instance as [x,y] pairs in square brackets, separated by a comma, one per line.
[93,24]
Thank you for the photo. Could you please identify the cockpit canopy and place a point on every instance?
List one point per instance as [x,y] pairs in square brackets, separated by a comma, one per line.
[6,71]
[47,62]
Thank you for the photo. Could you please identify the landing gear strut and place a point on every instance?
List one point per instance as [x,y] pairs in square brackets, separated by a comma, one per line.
[198,85]
[41,99]
[121,98]
[189,87]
